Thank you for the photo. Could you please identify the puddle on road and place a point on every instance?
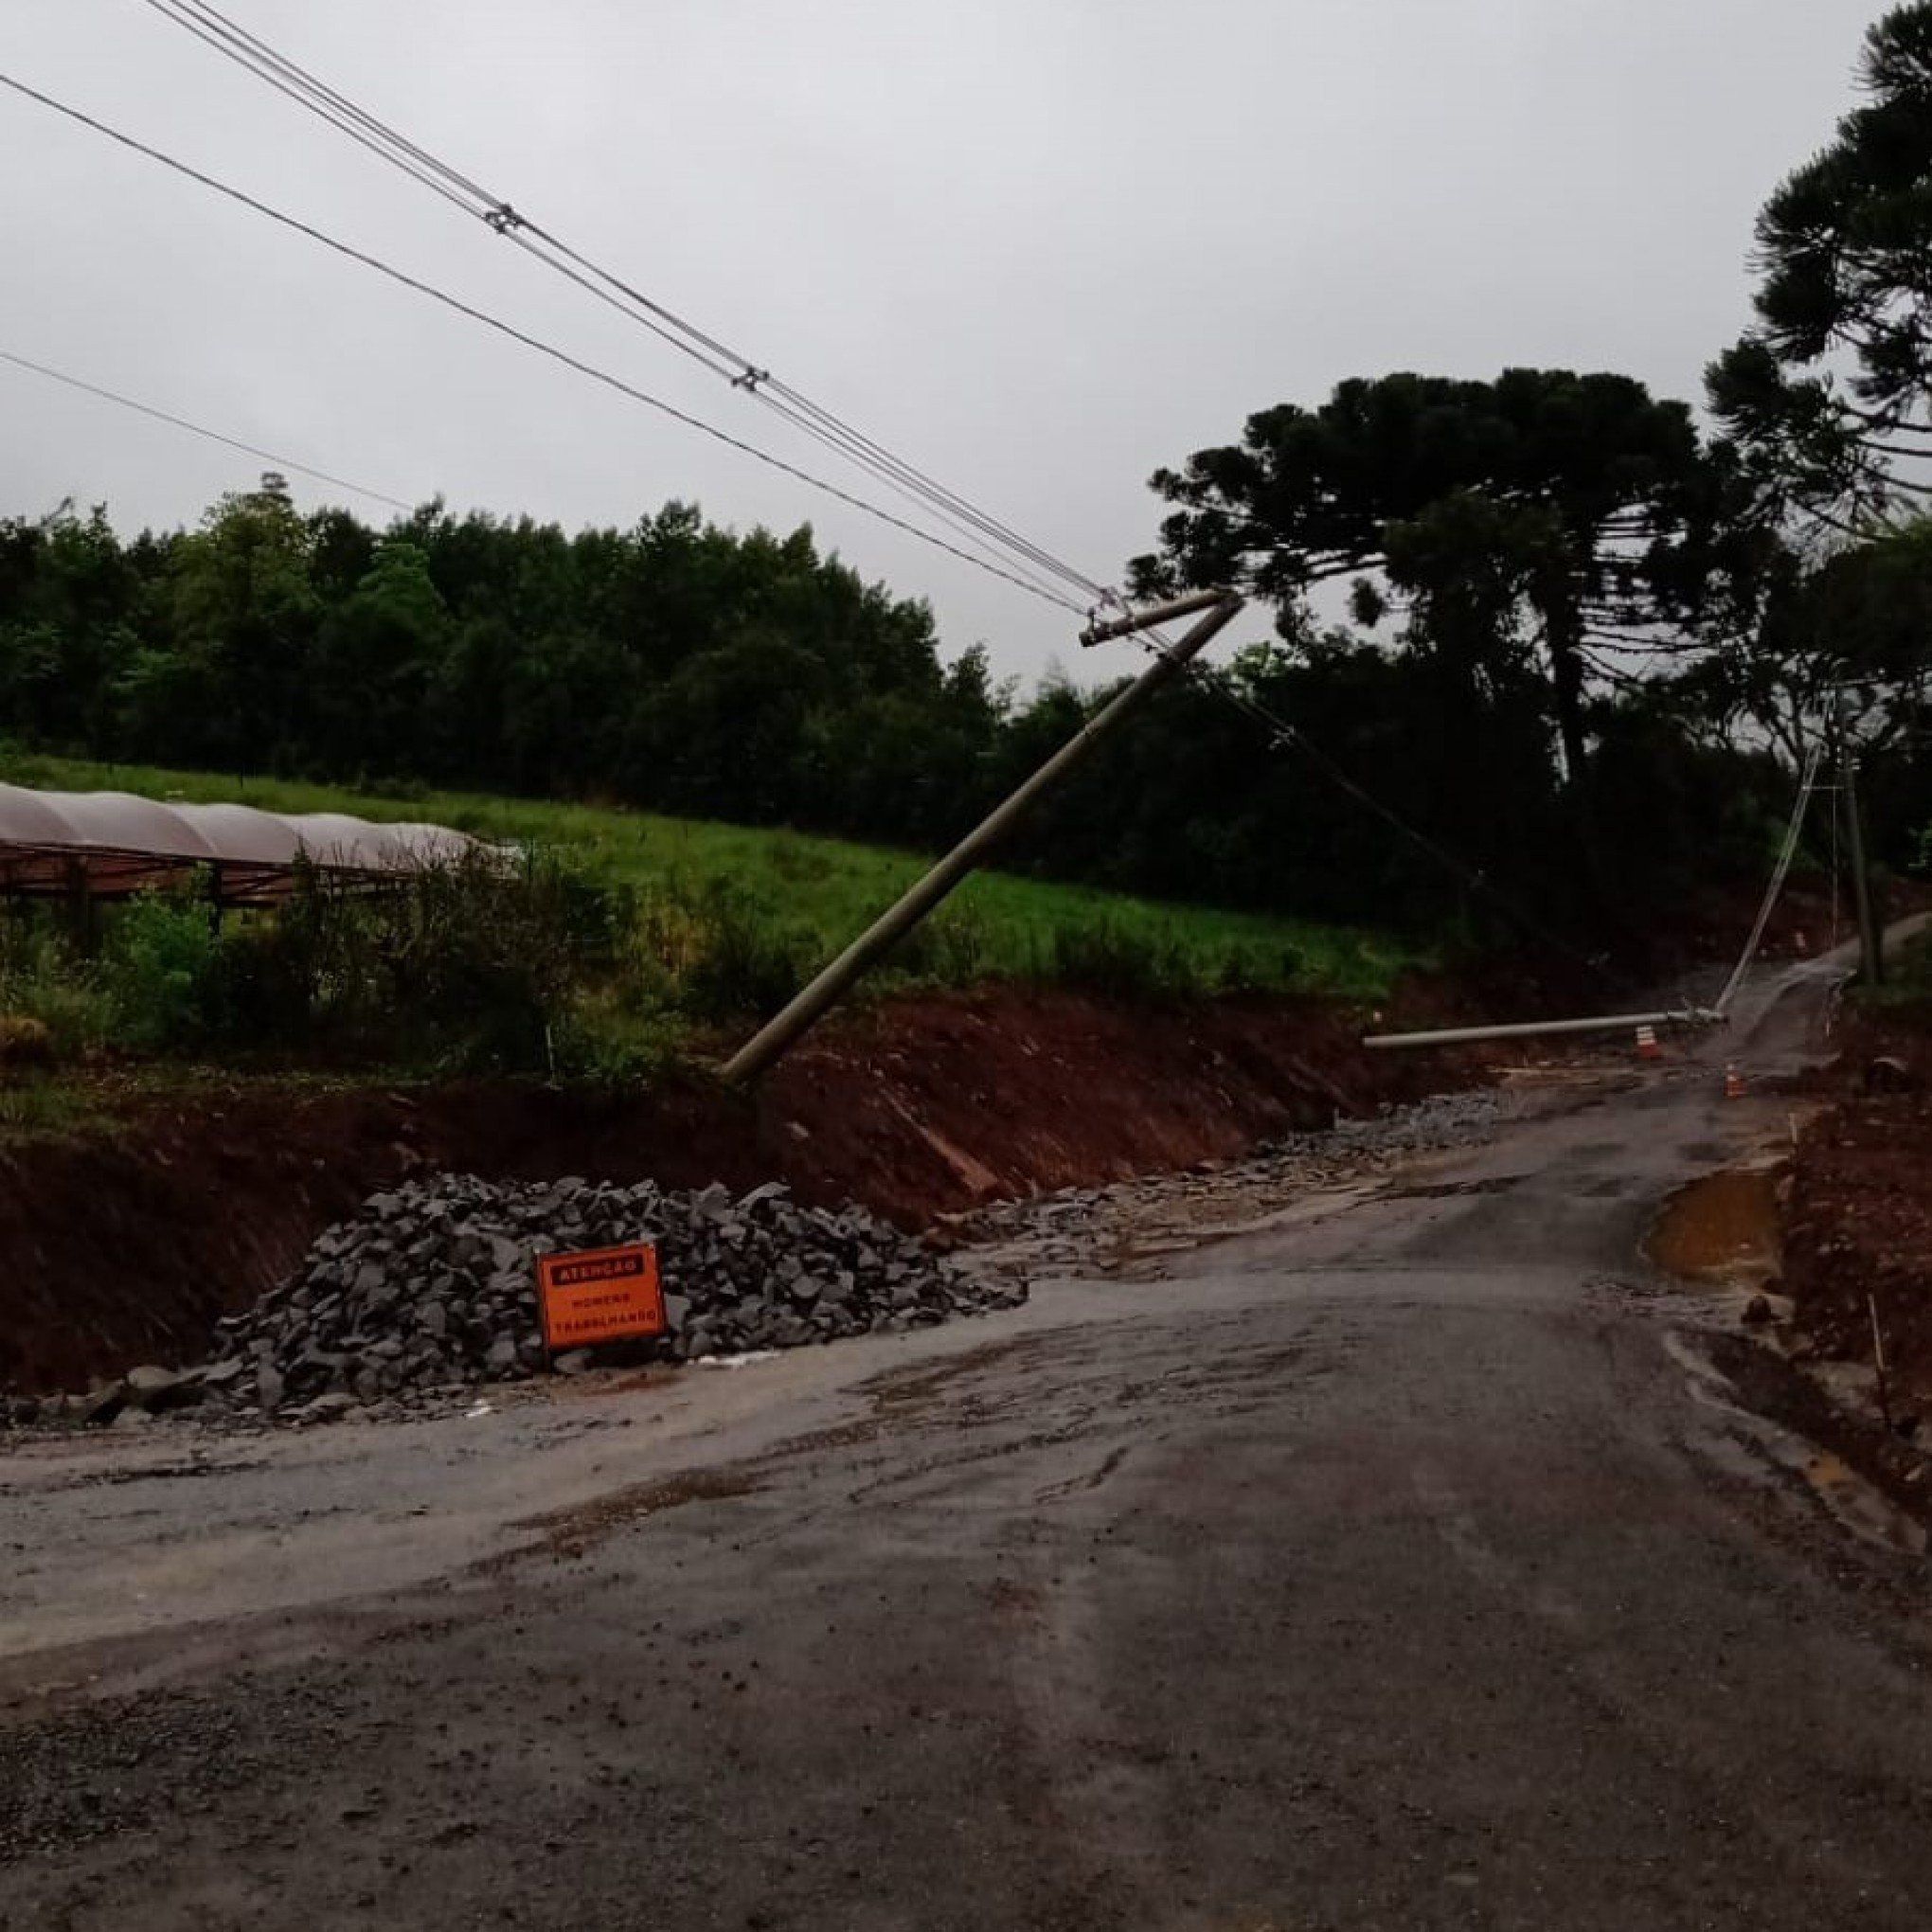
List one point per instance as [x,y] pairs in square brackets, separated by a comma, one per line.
[1771,1418]
[573,1533]
[1723,1233]
[1721,1230]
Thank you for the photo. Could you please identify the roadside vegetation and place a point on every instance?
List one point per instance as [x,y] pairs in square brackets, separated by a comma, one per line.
[598,953]
[1531,662]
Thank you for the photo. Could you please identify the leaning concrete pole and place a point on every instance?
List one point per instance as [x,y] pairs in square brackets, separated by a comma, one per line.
[780,1034]
[1870,941]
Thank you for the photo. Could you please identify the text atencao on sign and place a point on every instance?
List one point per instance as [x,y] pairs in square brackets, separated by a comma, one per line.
[608,1295]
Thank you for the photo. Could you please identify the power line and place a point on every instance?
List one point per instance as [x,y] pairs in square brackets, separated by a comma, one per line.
[280,462]
[254,54]
[1807,781]
[207,24]
[214,28]
[528,341]
[1282,736]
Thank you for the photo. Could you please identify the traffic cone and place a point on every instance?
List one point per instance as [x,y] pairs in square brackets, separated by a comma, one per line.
[1733,1082]
[1647,1048]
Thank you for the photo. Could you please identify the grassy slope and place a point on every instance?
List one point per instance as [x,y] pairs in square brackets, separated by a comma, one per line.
[824,890]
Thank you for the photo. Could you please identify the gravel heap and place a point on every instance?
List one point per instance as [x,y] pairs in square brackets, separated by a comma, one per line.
[1130,1225]
[432,1288]
[1289,1164]
[1441,1121]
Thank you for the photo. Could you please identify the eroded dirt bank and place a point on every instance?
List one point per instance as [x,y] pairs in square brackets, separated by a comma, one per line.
[119,1249]
[1858,1229]
[1150,1603]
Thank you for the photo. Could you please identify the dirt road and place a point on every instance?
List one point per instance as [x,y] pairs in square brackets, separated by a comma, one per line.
[1402,1566]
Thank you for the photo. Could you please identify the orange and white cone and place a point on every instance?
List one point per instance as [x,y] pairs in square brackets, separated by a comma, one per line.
[1647,1048]
[1733,1082]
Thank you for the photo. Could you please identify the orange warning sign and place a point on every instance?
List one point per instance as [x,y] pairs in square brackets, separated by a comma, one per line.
[609,1294]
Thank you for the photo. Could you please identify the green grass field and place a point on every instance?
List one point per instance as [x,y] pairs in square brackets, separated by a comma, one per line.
[819,892]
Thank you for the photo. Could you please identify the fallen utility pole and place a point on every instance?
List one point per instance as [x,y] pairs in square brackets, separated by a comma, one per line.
[780,1034]
[1870,941]
[1610,1022]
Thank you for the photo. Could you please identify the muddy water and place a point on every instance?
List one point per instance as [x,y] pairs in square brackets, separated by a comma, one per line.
[1859,1506]
[1724,1232]
[1721,1230]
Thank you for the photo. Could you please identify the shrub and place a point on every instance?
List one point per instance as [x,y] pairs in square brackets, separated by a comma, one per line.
[949,949]
[25,1041]
[603,1042]
[44,979]
[722,955]
[160,971]
[1111,959]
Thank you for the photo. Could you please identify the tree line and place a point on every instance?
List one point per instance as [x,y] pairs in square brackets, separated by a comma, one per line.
[1539,641]
[682,668]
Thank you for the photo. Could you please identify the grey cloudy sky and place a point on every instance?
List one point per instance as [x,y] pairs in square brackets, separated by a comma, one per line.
[1040,247]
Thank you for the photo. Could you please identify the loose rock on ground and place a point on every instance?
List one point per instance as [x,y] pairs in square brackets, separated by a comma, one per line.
[1123,1227]
[430,1292]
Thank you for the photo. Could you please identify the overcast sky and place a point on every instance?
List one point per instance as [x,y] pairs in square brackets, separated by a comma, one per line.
[1040,246]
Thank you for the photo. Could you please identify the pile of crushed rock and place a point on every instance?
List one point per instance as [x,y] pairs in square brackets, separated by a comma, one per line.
[1128,1226]
[430,1291]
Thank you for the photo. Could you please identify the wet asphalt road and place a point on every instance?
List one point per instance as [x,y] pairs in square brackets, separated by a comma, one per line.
[1400,1569]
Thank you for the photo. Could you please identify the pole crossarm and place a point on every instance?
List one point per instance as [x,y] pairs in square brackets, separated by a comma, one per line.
[1135,621]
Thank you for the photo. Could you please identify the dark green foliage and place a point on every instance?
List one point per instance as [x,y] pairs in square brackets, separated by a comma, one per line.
[673,666]
[1848,617]
[732,961]
[1843,245]
[679,668]
[1535,529]
[468,969]
[1119,964]
[465,968]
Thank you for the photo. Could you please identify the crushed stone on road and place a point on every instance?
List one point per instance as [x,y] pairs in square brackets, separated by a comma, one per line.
[1127,1226]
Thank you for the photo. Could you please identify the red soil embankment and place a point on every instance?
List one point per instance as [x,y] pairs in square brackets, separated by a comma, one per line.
[124,1248]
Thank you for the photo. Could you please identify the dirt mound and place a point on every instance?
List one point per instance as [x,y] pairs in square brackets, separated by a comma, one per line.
[1858,1229]
[130,1249]
[1860,1226]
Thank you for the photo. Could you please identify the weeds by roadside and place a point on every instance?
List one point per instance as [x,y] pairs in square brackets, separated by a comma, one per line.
[807,896]
[595,955]
[39,1103]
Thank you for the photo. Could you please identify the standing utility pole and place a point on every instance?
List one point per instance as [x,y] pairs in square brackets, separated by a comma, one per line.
[1870,941]
[780,1035]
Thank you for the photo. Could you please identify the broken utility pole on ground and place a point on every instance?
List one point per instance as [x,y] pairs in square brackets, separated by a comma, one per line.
[1609,1023]
[780,1034]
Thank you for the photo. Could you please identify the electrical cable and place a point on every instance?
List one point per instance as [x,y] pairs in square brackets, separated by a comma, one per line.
[1282,736]
[1280,732]
[255,55]
[1780,873]
[1837,876]
[550,350]
[209,24]
[221,39]
[280,462]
